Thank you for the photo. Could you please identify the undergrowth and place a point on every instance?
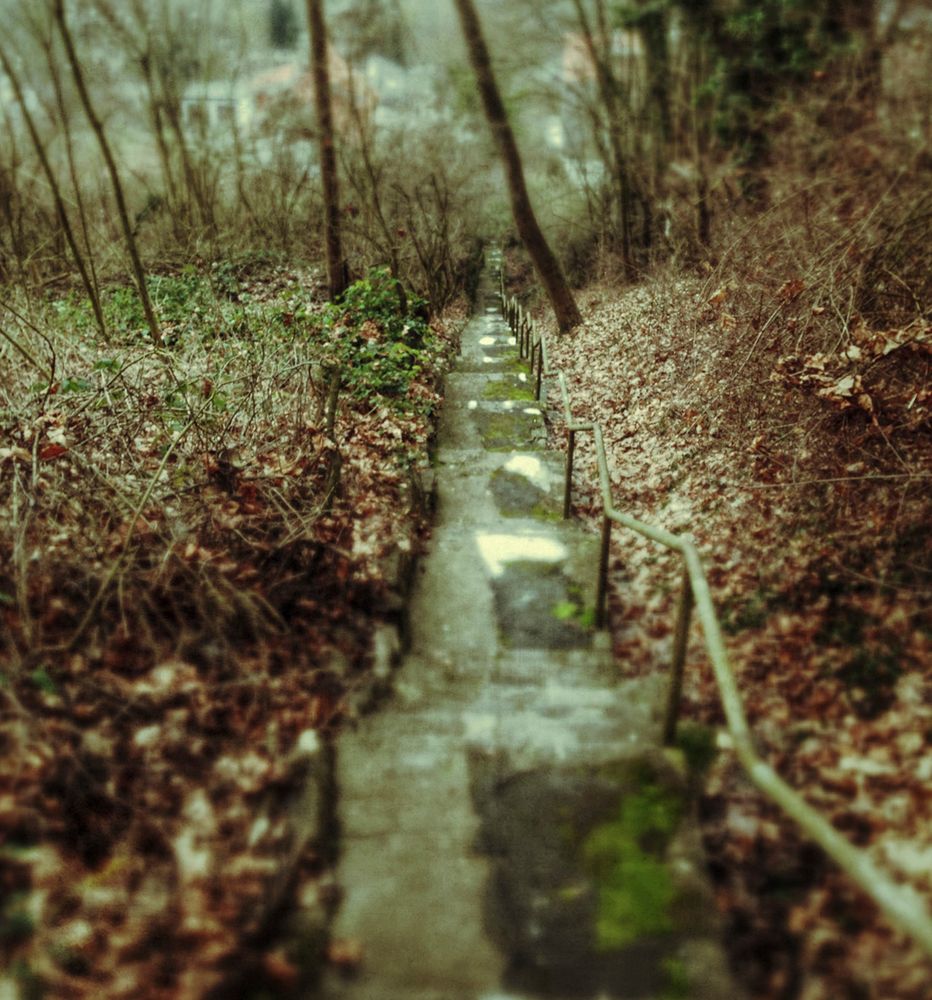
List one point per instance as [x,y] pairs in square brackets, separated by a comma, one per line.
[196,543]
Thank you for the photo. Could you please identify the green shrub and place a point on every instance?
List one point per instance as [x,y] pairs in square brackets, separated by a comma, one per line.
[376,333]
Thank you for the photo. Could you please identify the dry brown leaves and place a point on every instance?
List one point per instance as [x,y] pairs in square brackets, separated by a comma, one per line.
[144,751]
[813,512]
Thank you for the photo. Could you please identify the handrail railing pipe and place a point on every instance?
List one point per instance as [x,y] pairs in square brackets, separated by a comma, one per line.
[904,907]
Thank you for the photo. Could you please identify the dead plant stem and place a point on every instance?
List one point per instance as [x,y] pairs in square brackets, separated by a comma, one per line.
[111,573]
[16,345]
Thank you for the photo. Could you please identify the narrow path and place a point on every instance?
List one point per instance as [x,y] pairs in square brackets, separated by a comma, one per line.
[506,829]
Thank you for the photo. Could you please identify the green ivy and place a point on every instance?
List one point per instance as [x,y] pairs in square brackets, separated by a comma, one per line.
[377,335]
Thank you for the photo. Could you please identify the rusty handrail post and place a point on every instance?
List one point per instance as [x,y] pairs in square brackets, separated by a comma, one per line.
[681,635]
[568,484]
[601,595]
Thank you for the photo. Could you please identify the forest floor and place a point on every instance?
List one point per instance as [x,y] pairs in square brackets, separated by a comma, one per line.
[812,509]
[194,560]
[195,555]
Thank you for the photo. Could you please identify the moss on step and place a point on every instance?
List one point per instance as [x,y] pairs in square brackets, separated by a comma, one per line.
[516,496]
[571,611]
[504,389]
[573,607]
[626,856]
[510,430]
[527,593]
[508,364]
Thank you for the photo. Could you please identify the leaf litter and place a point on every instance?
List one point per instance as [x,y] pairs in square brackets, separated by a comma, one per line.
[188,596]
[808,495]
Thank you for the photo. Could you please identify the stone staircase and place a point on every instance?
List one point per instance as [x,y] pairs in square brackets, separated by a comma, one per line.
[510,827]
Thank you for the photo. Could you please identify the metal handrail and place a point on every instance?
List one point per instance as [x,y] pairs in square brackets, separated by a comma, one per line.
[905,908]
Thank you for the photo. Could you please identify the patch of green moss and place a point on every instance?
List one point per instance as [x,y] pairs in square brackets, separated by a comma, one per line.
[697,742]
[571,611]
[501,390]
[870,676]
[508,430]
[625,855]
[69,960]
[28,983]
[516,496]
[514,365]
[546,512]
[16,923]
[678,986]
[749,612]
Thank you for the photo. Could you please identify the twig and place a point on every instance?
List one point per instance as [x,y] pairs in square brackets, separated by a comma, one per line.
[118,562]
[16,345]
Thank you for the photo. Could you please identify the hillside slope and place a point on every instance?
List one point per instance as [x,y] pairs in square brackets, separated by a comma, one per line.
[811,501]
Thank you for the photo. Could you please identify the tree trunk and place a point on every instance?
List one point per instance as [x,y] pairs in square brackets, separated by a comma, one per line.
[76,186]
[152,322]
[698,114]
[545,262]
[194,180]
[336,273]
[654,26]
[374,195]
[54,187]
[143,53]
[11,201]
[158,131]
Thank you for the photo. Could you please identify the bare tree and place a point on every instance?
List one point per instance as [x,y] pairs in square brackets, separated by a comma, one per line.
[612,103]
[58,9]
[64,118]
[545,262]
[336,272]
[55,188]
[142,54]
[156,44]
